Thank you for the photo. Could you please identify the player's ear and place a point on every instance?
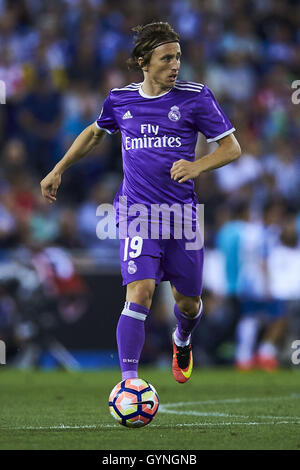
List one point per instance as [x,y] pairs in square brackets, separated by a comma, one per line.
[141,62]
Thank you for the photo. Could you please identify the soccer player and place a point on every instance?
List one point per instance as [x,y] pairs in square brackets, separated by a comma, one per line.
[159,120]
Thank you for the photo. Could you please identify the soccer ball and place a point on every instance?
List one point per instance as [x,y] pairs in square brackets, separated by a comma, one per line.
[133,403]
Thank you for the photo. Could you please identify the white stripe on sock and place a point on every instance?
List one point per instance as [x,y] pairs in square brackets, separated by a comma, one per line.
[179,342]
[200,309]
[133,314]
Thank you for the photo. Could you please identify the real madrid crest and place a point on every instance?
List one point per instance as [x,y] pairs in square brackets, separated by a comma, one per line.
[174,114]
[132,267]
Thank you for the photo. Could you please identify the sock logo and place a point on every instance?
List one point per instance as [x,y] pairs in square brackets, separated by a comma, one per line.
[135,361]
[132,267]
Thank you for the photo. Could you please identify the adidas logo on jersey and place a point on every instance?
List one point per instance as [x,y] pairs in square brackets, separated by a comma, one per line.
[127,115]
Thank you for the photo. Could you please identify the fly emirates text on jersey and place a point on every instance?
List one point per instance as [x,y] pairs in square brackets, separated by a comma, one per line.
[153,140]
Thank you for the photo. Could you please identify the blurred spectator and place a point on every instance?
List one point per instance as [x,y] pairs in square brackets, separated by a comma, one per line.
[242,40]
[245,170]
[11,73]
[106,249]
[258,307]
[8,224]
[284,275]
[40,118]
[80,106]
[234,80]
[280,47]
[14,159]
[85,65]
[228,242]
[42,222]
[284,165]
[67,236]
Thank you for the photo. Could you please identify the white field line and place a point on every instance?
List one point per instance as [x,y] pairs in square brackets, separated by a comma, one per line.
[231,400]
[165,408]
[117,426]
[162,409]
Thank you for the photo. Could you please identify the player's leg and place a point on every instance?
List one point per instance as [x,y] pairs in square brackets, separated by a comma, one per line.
[188,311]
[267,353]
[246,335]
[131,325]
[184,268]
[248,330]
[141,292]
[140,269]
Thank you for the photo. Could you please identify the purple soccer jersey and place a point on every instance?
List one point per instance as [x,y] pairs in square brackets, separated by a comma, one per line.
[156,132]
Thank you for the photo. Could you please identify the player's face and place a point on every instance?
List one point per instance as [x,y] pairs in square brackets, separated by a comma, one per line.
[164,64]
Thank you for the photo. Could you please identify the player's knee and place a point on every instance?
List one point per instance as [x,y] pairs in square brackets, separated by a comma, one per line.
[141,293]
[189,306]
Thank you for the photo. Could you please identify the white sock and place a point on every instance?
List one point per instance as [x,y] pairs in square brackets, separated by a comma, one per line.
[246,333]
[180,343]
[267,349]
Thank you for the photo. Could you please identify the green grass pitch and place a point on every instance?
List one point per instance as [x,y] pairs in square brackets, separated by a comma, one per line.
[216,409]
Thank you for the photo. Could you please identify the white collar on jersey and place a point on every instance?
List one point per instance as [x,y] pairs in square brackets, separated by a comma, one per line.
[149,96]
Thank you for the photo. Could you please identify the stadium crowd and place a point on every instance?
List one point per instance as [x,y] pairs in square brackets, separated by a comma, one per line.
[58,61]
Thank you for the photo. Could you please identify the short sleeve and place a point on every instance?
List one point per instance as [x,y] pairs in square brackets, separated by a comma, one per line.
[210,119]
[106,121]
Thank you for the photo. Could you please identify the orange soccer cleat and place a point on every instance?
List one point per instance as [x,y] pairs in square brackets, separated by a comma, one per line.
[182,364]
[245,366]
[267,363]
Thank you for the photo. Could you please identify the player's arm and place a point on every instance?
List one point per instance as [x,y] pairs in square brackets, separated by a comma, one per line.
[227,151]
[83,144]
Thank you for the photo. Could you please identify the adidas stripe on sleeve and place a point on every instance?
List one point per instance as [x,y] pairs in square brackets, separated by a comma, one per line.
[210,119]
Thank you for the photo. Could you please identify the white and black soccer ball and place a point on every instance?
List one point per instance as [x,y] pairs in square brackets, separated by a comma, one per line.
[133,403]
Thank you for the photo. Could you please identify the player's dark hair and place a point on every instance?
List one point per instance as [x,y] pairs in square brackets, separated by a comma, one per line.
[147,38]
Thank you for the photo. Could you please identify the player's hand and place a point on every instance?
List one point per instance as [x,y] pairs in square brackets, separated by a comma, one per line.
[182,170]
[50,185]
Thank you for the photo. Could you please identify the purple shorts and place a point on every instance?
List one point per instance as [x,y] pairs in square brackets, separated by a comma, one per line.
[162,260]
